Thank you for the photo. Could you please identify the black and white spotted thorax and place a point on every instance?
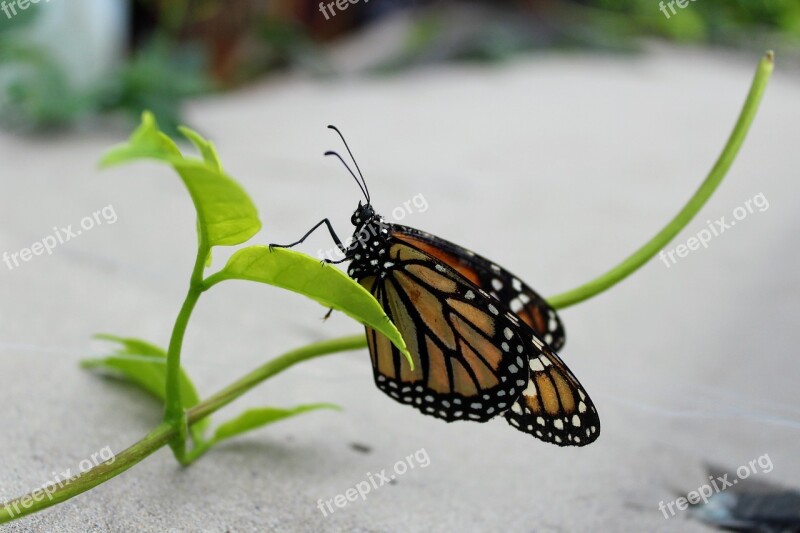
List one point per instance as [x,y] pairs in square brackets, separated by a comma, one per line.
[368,250]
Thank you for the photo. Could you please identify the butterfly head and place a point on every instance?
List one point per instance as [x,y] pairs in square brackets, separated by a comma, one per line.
[363,213]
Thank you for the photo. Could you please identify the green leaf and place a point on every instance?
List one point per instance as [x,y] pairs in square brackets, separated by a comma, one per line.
[147,141]
[145,365]
[226,215]
[321,282]
[205,147]
[133,346]
[256,418]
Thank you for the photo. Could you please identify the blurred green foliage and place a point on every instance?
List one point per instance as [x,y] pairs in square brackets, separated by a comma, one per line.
[233,42]
[715,21]
[159,78]
[36,93]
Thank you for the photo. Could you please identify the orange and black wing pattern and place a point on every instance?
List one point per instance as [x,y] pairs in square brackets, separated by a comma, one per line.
[470,354]
[553,406]
[513,293]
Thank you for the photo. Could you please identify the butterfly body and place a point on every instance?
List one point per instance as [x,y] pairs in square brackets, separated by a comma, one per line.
[369,246]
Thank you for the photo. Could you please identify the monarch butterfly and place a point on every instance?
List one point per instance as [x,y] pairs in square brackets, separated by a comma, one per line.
[482,341]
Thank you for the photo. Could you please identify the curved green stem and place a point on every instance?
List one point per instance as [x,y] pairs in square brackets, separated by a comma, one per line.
[167,432]
[173,408]
[171,432]
[38,500]
[718,171]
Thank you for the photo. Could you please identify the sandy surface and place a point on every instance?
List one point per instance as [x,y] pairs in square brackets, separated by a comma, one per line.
[556,166]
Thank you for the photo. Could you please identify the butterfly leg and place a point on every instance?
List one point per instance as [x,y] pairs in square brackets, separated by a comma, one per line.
[309,232]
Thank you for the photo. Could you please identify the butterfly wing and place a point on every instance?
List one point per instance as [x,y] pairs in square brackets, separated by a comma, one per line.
[513,293]
[470,353]
[554,406]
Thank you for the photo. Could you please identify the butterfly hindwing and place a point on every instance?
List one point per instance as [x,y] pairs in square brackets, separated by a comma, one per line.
[470,354]
[513,293]
[554,407]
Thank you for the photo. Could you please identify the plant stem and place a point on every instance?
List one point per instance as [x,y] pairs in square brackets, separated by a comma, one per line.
[275,366]
[173,429]
[157,438]
[173,410]
[707,188]
[166,432]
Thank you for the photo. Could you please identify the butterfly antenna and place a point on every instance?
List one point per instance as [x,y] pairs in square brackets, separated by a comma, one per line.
[334,128]
[366,194]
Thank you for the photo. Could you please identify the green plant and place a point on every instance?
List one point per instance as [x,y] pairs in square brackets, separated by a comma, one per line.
[227,217]
[39,96]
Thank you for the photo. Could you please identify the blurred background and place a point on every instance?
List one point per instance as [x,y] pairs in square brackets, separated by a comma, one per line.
[66,63]
[554,137]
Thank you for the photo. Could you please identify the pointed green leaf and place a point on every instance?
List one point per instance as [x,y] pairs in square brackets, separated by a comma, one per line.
[145,365]
[256,418]
[132,346]
[226,215]
[204,146]
[143,370]
[306,275]
[147,141]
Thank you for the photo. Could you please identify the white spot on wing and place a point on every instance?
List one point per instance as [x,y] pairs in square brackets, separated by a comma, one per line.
[530,390]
